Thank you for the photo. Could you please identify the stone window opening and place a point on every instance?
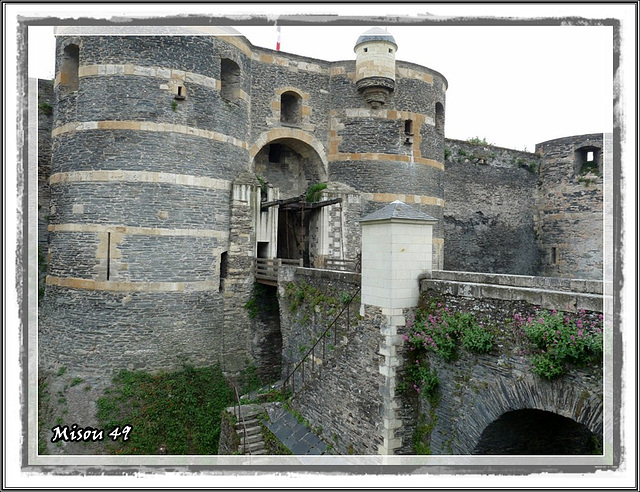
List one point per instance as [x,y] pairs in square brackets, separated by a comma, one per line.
[229,80]
[108,255]
[224,269]
[439,118]
[366,50]
[181,93]
[290,105]
[587,159]
[408,127]
[408,132]
[554,256]
[69,66]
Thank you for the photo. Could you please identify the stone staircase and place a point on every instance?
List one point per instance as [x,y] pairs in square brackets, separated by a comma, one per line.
[248,429]
[293,435]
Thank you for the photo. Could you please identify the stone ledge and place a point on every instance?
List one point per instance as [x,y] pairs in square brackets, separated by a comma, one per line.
[545,283]
[548,299]
[349,277]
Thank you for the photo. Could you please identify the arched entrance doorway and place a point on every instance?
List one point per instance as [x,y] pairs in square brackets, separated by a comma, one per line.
[536,432]
[293,167]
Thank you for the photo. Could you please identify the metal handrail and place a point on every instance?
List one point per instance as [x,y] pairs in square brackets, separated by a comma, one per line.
[244,424]
[312,349]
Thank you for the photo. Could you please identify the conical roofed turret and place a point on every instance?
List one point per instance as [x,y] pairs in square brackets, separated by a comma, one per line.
[375,65]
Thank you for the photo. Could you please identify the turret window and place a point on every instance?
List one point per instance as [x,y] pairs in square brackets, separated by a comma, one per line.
[587,159]
[408,127]
[290,104]
[439,118]
[69,69]
[229,80]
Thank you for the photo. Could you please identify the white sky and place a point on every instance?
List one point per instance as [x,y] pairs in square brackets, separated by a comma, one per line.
[513,85]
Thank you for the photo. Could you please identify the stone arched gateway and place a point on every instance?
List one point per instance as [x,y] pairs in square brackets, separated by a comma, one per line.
[476,393]
[292,150]
[289,162]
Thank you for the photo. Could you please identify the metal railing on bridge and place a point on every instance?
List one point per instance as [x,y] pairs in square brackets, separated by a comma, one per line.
[319,347]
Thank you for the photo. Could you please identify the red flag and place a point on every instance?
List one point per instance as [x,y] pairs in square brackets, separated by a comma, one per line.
[278,42]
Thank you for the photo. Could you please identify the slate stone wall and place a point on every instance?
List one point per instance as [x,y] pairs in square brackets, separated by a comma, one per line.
[45,124]
[490,198]
[569,219]
[101,332]
[343,396]
[276,72]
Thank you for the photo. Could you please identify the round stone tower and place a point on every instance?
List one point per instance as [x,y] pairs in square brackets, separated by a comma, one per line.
[387,131]
[375,65]
[149,135]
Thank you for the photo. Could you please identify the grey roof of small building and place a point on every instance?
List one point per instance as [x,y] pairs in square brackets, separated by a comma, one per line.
[398,210]
[376,34]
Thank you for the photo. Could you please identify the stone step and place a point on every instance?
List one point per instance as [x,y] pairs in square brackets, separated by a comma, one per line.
[252,448]
[248,412]
[252,438]
[248,423]
[259,451]
[250,430]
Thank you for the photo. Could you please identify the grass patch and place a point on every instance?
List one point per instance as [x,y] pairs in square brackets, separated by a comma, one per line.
[177,412]
[44,412]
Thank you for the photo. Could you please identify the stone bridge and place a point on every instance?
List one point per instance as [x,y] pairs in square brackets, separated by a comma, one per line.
[357,398]
[484,394]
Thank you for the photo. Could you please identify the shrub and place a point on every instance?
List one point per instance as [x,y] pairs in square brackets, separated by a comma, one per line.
[478,141]
[561,339]
[314,192]
[438,330]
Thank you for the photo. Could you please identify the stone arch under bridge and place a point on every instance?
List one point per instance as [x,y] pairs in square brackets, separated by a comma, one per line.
[466,410]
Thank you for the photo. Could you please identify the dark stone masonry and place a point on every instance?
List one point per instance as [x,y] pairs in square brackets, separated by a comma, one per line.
[170,168]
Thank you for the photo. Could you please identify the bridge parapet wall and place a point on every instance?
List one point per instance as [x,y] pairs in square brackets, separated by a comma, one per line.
[476,389]
[563,294]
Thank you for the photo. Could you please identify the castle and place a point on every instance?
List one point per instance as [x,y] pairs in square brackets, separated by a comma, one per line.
[180,164]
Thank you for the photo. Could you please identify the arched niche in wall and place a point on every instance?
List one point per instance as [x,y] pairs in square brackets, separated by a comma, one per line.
[439,118]
[70,62]
[290,108]
[588,159]
[229,80]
